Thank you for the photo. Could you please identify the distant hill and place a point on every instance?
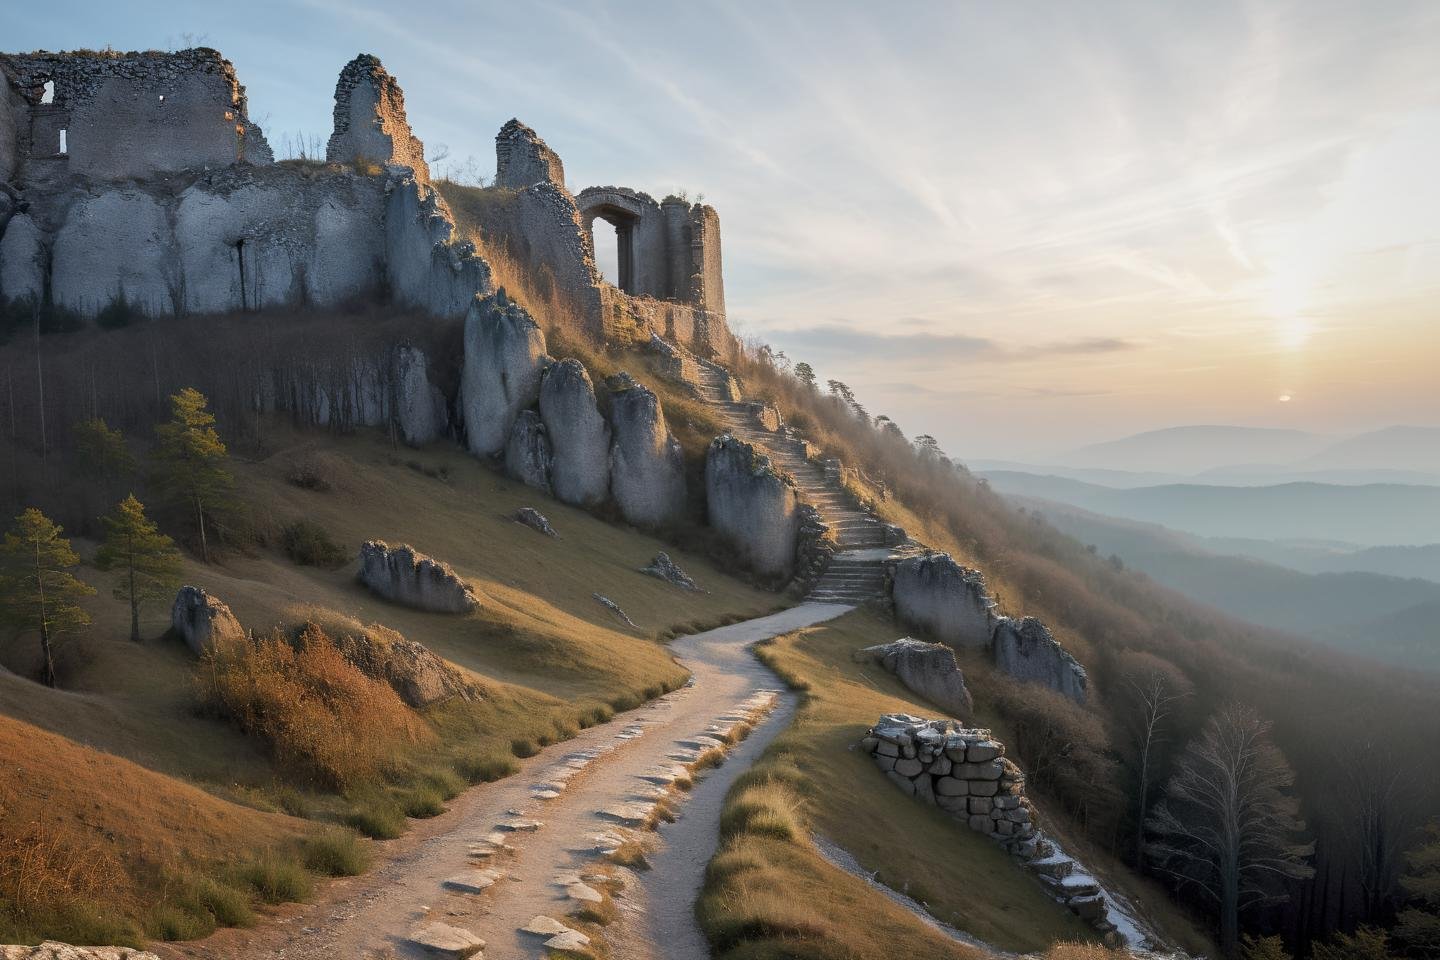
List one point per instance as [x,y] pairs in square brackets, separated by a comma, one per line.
[1389,618]
[1367,515]
[1394,448]
[1335,557]
[1191,450]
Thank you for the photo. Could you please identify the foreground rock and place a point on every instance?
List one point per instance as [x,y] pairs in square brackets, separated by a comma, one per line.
[535,520]
[504,361]
[402,575]
[647,466]
[527,453]
[51,950]
[448,941]
[411,669]
[579,436]
[205,622]
[752,505]
[949,602]
[1026,650]
[928,669]
[663,568]
[419,405]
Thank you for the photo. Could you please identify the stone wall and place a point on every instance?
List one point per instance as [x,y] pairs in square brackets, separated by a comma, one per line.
[12,111]
[523,159]
[370,123]
[131,115]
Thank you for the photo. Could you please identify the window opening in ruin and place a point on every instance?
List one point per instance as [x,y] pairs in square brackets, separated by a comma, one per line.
[607,250]
[47,95]
[64,146]
[162,98]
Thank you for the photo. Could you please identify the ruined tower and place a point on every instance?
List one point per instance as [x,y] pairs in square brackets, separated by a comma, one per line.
[522,158]
[370,123]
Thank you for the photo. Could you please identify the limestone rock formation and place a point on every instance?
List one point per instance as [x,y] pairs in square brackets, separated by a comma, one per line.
[663,568]
[22,260]
[370,123]
[402,575]
[535,520]
[113,244]
[427,268]
[928,669]
[647,466]
[504,360]
[419,404]
[579,435]
[522,158]
[752,505]
[1026,650]
[527,453]
[937,595]
[411,669]
[204,622]
[52,950]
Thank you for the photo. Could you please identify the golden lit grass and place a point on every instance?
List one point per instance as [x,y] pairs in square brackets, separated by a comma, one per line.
[813,779]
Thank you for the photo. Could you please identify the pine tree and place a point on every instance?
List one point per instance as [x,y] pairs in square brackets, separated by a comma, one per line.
[100,451]
[191,459]
[1367,943]
[805,374]
[147,559]
[1263,948]
[1418,926]
[37,590]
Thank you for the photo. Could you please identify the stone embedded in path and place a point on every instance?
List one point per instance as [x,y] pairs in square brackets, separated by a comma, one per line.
[584,893]
[477,882]
[544,926]
[521,825]
[449,941]
[570,940]
[628,813]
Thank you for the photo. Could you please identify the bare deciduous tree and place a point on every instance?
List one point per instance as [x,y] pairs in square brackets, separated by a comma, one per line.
[1227,827]
[1153,687]
[1381,818]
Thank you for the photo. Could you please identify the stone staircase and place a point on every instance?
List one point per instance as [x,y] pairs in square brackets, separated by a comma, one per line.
[856,574]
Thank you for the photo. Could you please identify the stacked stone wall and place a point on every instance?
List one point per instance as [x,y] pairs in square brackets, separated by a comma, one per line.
[370,122]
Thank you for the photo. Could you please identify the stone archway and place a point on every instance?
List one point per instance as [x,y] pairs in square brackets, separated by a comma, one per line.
[625,223]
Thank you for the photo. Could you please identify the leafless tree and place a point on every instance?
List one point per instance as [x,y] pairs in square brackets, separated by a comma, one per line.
[1154,687]
[1226,827]
[1379,821]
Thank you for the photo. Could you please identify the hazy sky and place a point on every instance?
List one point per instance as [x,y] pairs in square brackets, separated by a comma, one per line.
[1017,226]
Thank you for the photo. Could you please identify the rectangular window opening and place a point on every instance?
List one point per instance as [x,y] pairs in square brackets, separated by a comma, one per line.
[64,146]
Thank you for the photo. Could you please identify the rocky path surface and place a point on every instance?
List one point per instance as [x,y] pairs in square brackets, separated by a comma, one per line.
[526,851]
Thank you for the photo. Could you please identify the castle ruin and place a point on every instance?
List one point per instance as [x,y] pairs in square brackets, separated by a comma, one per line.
[140,178]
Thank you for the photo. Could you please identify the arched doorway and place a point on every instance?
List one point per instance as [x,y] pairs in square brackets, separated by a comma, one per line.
[623,224]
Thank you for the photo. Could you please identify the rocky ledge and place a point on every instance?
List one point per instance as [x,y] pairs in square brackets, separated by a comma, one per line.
[403,575]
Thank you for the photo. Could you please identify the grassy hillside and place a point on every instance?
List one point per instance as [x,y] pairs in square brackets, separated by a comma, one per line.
[813,779]
[548,657]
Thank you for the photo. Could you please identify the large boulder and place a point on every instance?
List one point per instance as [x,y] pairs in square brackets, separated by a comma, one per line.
[204,622]
[417,675]
[504,361]
[22,260]
[527,453]
[419,404]
[935,594]
[1026,650]
[928,669]
[402,575]
[579,435]
[647,466]
[752,505]
[53,950]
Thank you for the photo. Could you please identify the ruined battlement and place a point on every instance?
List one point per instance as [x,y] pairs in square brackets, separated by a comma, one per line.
[139,177]
[123,115]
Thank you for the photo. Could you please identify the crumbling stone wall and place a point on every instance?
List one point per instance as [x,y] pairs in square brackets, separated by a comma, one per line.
[11,112]
[370,123]
[131,114]
[523,159]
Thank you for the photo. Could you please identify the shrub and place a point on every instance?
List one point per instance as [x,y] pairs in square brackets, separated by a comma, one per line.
[277,880]
[169,922]
[336,853]
[423,803]
[378,818]
[227,905]
[310,545]
[486,767]
[315,709]
[524,747]
[767,810]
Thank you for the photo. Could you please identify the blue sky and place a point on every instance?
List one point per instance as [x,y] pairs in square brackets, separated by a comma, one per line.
[1019,227]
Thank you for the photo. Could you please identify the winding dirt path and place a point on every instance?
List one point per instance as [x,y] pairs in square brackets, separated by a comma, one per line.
[508,852]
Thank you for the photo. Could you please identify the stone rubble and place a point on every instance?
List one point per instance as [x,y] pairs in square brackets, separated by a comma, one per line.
[535,520]
[615,609]
[663,568]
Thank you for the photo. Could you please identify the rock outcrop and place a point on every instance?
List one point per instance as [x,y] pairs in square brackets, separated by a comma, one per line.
[411,669]
[663,568]
[927,669]
[115,244]
[22,260]
[536,521]
[420,411]
[949,602]
[579,435]
[504,362]
[203,621]
[522,158]
[614,608]
[647,466]
[1026,650]
[752,505]
[527,453]
[402,575]
[51,950]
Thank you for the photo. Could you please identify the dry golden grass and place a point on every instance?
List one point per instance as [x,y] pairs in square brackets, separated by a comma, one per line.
[317,711]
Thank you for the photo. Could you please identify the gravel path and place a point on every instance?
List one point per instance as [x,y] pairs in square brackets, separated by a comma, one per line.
[509,852]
